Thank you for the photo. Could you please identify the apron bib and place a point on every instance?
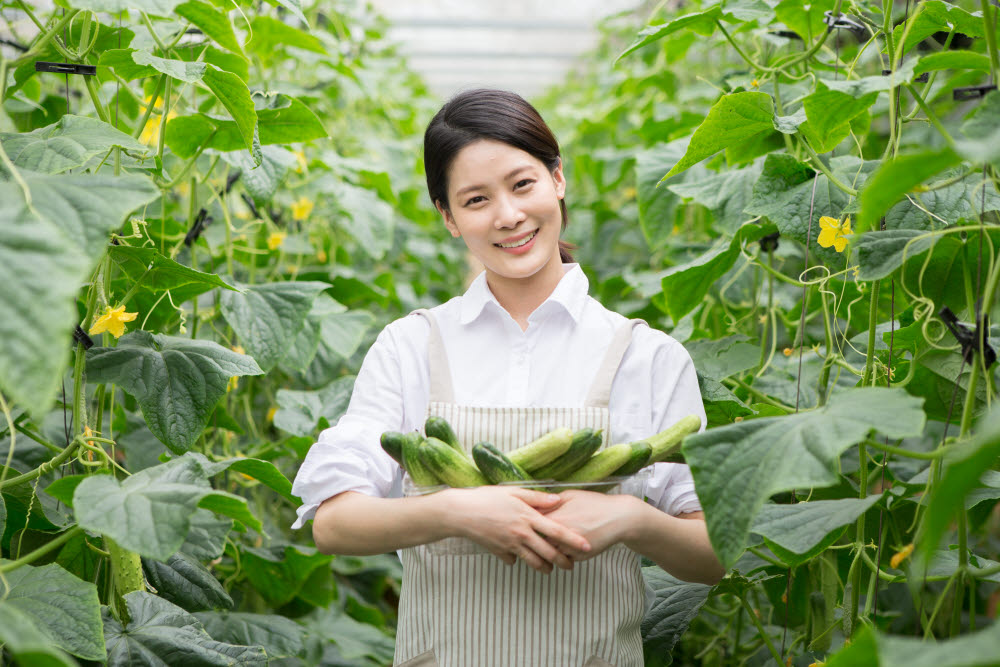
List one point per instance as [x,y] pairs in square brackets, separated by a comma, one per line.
[461,606]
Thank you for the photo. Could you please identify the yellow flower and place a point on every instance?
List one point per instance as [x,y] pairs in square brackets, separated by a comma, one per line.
[113,321]
[275,239]
[321,255]
[233,382]
[151,132]
[302,208]
[630,192]
[755,83]
[901,555]
[834,233]
[787,352]
[270,413]
[300,158]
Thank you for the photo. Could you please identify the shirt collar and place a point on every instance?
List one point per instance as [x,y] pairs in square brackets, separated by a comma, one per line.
[570,294]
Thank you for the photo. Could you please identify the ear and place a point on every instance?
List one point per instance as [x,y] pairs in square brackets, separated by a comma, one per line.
[559,179]
[449,221]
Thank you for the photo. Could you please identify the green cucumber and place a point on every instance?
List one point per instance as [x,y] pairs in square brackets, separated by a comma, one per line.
[602,464]
[585,442]
[449,466]
[641,451]
[413,462]
[667,443]
[544,450]
[438,427]
[392,443]
[497,467]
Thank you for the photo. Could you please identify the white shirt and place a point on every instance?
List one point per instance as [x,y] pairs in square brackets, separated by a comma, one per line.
[494,363]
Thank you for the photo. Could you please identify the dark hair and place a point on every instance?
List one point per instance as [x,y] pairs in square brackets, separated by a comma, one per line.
[484,113]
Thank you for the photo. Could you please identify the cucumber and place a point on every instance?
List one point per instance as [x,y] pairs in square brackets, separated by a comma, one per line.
[544,450]
[602,464]
[497,467]
[438,427]
[585,442]
[449,466]
[392,443]
[126,575]
[666,443]
[413,462]
[641,451]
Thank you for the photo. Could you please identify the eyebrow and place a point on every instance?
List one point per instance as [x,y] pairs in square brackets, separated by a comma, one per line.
[512,174]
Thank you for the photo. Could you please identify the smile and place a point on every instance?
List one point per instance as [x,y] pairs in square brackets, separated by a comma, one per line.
[519,242]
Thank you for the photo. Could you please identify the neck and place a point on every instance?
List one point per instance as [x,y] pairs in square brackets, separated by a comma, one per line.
[521,296]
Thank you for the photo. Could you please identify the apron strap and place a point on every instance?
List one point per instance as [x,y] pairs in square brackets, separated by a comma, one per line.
[600,391]
[441,390]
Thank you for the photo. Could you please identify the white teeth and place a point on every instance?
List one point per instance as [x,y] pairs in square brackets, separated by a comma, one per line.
[518,244]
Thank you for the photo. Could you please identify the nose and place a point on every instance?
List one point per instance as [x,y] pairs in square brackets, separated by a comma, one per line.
[508,213]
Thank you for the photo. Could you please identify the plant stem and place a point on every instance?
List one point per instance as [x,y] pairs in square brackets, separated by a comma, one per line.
[163,121]
[760,630]
[46,36]
[931,116]
[152,33]
[923,456]
[46,467]
[869,373]
[991,40]
[149,109]
[840,185]
[96,99]
[42,550]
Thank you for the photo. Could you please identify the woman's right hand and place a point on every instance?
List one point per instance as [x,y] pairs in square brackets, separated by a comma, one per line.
[509,521]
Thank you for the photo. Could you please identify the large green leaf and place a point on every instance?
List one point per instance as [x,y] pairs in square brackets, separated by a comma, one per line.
[158,272]
[880,253]
[657,203]
[264,472]
[182,70]
[299,412]
[151,511]
[269,34]
[702,23]
[372,220]
[738,467]
[674,606]
[726,194]
[870,648]
[873,84]
[331,332]
[799,531]
[280,573]
[161,634]
[206,539]
[26,643]
[46,253]
[66,144]
[230,89]
[185,582]
[829,114]
[943,206]
[62,607]
[268,317]
[735,119]
[936,16]
[685,286]
[982,131]
[212,22]
[155,7]
[281,637]
[354,640]
[177,381]
[953,60]
[262,181]
[806,19]
[723,357]
[124,65]
[895,178]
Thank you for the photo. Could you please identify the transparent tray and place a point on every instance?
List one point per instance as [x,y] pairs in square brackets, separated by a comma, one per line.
[633,485]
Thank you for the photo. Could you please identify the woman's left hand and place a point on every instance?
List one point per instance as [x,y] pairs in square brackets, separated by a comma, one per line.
[603,520]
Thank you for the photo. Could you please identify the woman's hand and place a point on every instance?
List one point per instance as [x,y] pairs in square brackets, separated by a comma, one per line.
[510,522]
[603,520]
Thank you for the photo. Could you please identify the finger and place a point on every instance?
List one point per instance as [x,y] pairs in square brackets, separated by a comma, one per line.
[537,499]
[534,561]
[560,535]
[549,553]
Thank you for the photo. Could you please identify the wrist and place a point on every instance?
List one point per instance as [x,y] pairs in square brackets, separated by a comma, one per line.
[634,520]
[444,516]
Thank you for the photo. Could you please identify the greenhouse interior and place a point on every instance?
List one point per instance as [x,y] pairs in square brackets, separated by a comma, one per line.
[475,334]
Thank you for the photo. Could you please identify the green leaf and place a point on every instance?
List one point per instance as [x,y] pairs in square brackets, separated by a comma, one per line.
[264,472]
[299,412]
[737,468]
[685,286]
[895,178]
[206,539]
[281,637]
[185,582]
[262,182]
[160,633]
[279,573]
[657,203]
[269,33]
[294,6]
[735,118]
[372,220]
[806,529]
[124,65]
[882,252]
[151,511]
[3,515]
[982,130]
[62,607]
[331,332]
[805,19]
[235,96]
[67,144]
[155,7]
[675,605]
[353,639]
[726,194]
[722,358]
[829,114]
[702,23]
[26,643]
[937,16]
[45,255]
[873,84]
[961,476]
[870,648]
[158,272]
[177,381]
[188,72]
[268,317]
[942,206]
[212,22]
[953,60]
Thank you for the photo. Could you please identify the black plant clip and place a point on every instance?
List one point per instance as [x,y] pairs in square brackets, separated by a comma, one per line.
[841,22]
[968,339]
[787,34]
[80,336]
[200,222]
[923,78]
[65,68]
[231,181]
[971,92]
[769,242]
[248,200]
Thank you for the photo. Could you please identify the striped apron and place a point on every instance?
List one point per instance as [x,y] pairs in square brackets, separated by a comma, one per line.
[461,606]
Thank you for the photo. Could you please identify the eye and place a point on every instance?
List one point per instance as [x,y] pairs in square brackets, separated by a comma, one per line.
[524,182]
[475,200]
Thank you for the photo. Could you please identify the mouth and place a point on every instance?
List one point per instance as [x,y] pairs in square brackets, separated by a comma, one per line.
[518,241]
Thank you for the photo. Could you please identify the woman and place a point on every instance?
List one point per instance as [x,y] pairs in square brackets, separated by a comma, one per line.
[512,577]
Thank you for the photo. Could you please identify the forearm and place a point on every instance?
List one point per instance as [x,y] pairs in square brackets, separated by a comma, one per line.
[679,546]
[356,524]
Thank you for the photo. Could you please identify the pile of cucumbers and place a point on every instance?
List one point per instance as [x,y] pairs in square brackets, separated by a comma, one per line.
[437,457]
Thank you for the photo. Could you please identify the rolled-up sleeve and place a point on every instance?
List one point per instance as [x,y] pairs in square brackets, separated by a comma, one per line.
[348,456]
[676,394]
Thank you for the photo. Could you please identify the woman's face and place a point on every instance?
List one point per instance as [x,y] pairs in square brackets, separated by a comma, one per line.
[504,203]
